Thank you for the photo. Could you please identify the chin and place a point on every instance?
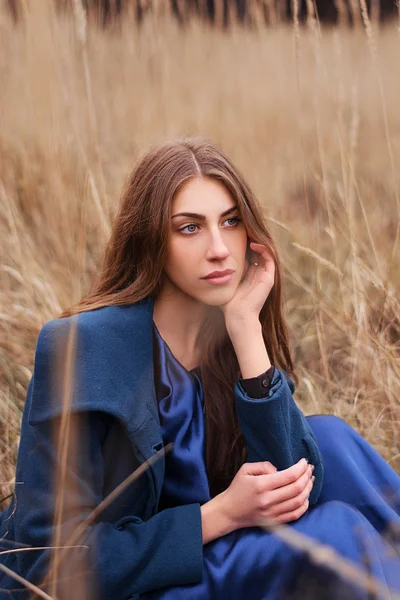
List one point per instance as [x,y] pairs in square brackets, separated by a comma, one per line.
[217,297]
[214,296]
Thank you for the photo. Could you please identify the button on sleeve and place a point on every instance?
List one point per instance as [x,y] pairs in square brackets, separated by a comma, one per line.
[258,387]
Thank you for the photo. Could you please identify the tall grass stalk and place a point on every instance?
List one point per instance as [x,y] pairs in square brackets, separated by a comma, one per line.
[309,114]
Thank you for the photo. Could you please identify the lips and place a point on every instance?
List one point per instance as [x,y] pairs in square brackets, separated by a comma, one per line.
[217,274]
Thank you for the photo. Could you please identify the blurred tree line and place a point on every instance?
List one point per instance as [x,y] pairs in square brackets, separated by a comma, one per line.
[223,12]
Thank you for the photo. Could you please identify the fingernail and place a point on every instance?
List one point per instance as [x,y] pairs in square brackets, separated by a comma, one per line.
[306,459]
[312,467]
[313,478]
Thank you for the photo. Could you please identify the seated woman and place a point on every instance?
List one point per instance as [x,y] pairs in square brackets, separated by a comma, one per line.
[176,367]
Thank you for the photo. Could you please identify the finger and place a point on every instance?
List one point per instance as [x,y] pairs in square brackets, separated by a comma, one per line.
[293,515]
[292,504]
[264,253]
[260,248]
[287,476]
[290,491]
[259,468]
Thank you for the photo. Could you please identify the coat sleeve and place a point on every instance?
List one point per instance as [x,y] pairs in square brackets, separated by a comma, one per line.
[116,559]
[276,430]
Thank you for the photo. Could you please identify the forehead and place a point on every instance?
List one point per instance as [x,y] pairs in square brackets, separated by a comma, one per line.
[202,193]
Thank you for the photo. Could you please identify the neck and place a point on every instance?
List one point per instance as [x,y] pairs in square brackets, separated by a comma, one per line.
[179,319]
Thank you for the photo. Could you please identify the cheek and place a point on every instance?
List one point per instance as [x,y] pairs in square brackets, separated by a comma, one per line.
[180,257]
[241,247]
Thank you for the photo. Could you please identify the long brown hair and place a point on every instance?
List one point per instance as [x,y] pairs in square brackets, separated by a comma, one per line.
[133,265]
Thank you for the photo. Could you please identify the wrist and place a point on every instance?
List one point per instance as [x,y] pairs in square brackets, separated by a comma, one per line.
[247,339]
[225,508]
[235,325]
[215,520]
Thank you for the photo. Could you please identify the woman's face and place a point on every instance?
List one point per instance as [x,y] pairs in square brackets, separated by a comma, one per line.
[211,238]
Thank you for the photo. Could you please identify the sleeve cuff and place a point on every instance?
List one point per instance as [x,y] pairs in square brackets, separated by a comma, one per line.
[275,384]
[258,387]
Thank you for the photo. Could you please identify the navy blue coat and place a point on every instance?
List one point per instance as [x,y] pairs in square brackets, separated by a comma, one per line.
[130,547]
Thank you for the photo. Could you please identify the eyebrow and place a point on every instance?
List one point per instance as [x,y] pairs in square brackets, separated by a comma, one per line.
[203,217]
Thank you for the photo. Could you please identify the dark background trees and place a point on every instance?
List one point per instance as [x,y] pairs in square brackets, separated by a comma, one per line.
[222,12]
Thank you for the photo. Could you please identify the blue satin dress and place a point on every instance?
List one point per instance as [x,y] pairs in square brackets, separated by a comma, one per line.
[358,512]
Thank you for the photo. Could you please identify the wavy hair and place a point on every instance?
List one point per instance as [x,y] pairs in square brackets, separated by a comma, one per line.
[133,266]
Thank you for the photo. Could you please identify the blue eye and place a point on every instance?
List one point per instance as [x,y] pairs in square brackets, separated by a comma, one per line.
[190,225]
[235,220]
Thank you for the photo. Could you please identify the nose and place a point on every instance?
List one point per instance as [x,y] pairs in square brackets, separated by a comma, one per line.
[217,249]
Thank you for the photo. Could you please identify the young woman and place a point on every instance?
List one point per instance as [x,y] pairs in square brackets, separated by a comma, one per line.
[178,361]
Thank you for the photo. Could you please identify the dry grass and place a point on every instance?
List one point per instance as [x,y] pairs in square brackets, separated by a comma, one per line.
[311,118]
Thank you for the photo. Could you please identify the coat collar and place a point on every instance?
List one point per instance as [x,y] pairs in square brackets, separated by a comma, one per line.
[113,373]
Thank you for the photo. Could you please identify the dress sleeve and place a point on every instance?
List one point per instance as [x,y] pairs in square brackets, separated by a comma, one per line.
[115,559]
[276,430]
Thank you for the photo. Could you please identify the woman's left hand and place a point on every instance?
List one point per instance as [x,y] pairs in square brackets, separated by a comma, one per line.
[254,288]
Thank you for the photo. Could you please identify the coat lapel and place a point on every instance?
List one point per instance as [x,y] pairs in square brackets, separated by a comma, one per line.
[113,373]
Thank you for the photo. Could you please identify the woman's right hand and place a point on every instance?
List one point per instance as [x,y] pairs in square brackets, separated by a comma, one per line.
[259,494]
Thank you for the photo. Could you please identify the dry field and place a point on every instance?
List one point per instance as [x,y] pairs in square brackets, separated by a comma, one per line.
[311,117]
